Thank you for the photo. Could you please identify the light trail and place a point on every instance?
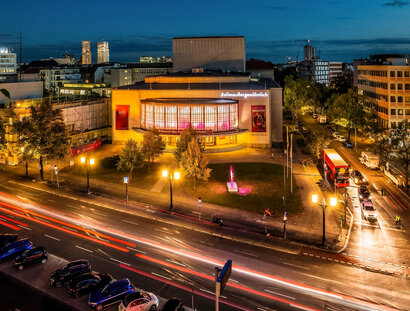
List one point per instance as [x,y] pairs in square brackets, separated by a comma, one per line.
[9,219]
[9,225]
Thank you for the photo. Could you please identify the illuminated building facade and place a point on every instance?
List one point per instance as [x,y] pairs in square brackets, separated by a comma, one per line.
[8,65]
[223,108]
[385,80]
[103,53]
[86,53]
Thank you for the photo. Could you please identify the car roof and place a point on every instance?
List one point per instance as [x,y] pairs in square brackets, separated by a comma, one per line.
[38,248]
[367,203]
[77,262]
[85,276]
[120,282]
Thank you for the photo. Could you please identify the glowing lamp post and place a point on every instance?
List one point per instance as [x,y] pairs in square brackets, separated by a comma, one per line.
[232,186]
[333,202]
[87,162]
[171,177]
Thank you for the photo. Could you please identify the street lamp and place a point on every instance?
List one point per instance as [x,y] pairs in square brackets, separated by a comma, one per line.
[171,177]
[333,202]
[87,161]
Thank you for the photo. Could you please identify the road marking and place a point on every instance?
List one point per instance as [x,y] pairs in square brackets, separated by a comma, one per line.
[39,218]
[209,292]
[24,227]
[136,250]
[130,222]
[261,309]
[84,249]
[293,265]
[178,263]
[73,206]
[275,293]
[323,279]
[101,214]
[72,229]
[165,277]
[113,259]
[51,200]
[163,231]
[103,252]
[245,253]
[51,237]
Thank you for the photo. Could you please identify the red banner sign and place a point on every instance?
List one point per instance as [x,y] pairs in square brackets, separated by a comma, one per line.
[258,118]
[121,117]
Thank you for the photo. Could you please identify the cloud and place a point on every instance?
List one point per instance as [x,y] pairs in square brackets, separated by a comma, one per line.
[396,3]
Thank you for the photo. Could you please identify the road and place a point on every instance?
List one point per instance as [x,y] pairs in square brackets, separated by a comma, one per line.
[173,261]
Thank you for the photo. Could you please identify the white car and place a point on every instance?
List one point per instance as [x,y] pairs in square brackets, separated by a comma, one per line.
[139,301]
[368,210]
[341,138]
[335,134]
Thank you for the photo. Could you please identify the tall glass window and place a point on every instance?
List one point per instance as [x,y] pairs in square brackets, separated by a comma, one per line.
[223,117]
[183,117]
[197,115]
[210,118]
[149,116]
[171,117]
[233,112]
[159,117]
[143,115]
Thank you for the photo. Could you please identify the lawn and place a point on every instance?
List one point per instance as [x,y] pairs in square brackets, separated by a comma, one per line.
[263,181]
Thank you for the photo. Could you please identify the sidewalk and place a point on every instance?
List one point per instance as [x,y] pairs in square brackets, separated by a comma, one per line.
[305,228]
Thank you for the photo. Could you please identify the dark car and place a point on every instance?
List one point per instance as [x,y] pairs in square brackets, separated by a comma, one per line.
[15,248]
[112,293]
[364,193]
[7,238]
[69,272]
[87,283]
[173,304]
[357,177]
[348,144]
[30,256]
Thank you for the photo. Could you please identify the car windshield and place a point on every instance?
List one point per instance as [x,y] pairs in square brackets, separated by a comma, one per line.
[369,208]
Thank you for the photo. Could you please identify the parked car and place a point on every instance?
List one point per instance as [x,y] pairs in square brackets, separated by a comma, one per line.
[112,293]
[139,301]
[364,193]
[341,138]
[87,283]
[335,134]
[69,272]
[358,177]
[30,256]
[173,304]
[7,238]
[368,210]
[14,249]
[348,144]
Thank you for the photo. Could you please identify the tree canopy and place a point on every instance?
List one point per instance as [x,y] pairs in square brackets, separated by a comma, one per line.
[152,146]
[2,134]
[131,157]
[43,133]
[182,144]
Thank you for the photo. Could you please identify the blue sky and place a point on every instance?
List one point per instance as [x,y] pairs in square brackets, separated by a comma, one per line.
[273,29]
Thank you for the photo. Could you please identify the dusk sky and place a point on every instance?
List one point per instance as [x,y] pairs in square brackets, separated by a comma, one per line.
[273,29]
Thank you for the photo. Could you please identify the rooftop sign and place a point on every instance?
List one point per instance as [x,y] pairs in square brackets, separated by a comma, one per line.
[244,95]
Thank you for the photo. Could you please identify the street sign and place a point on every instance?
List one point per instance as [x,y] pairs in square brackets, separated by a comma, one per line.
[223,277]
[284,216]
[199,202]
[125,180]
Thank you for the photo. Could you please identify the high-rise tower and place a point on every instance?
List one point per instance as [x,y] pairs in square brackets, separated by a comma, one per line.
[86,53]
[103,52]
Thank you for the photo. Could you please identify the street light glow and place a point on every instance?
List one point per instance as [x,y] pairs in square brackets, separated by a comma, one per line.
[165,173]
[177,175]
[333,201]
[314,198]
[92,161]
[82,159]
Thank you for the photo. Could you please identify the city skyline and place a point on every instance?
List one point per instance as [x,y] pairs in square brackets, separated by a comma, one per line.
[341,30]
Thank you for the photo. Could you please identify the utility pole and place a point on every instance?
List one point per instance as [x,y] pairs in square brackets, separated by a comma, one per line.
[21,52]
[291,164]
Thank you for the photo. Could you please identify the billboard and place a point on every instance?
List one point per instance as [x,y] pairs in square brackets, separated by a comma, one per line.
[121,117]
[258,118]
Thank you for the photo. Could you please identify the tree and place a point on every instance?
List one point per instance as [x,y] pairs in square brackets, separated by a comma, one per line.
[26,155]
[6,94]
[44,133]
[315,143]
[399,148]
[342,83]
[152,146]
[194,163]
[2,134]
[131,157]
[182,144]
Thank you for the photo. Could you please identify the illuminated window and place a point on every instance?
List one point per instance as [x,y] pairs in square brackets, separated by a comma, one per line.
[159,117]
[223,117]
[143,115]
[210,118]
[233,111]
[171,117]
[149,117]
[183,117]
[197,120]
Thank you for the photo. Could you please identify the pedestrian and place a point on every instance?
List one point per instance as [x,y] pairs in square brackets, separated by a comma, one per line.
[397,221]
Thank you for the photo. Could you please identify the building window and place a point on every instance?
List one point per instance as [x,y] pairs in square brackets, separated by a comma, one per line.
[393,125]
[392,99]
[407,112]
[399,86]
[407,74]
[143,115]
[210,118]
[149,116]
[392,74]
[392,112]
[233,111]
[197,117]
[223,117]
[399,74]
[400,112]
[183,117]
[400,99]
[392,86]
[407,87]
[159,117]
[171,117]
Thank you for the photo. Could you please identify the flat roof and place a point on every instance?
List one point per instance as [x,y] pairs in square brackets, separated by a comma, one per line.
[189,101]
[208,37]
[335,157]
[199,86]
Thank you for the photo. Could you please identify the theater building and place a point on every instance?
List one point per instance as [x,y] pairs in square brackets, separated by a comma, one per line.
[225,108]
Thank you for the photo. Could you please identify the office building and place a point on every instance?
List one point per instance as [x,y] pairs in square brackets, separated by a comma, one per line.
[335,69]
[309,52]
[215,53]
[103,53]
[8,65]
[86,53]
[224,108]
[385,80]
[56,77]
[154,59]
[314,70]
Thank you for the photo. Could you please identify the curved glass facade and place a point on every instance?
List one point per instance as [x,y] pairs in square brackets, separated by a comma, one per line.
[204,115]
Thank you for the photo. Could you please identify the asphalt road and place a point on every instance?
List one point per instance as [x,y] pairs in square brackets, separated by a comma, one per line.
[176,262]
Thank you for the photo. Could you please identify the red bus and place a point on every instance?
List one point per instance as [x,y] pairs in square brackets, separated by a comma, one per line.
[335,168]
